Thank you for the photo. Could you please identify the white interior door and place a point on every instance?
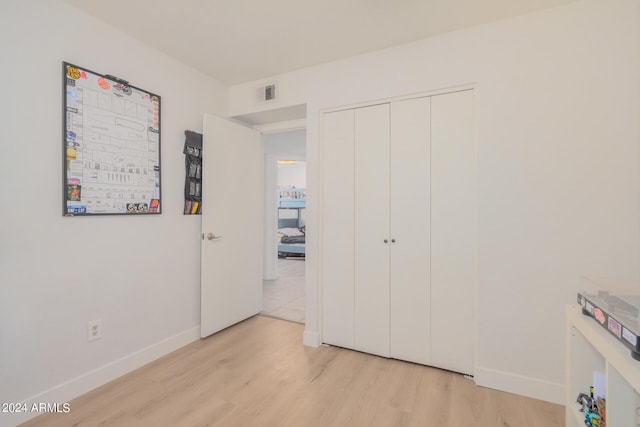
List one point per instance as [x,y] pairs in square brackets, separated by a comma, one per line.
[231,254]
[452,256]
[337,248]
[410,296]
[371,225]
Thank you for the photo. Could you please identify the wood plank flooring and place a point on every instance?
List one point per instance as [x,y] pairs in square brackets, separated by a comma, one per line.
[258,373]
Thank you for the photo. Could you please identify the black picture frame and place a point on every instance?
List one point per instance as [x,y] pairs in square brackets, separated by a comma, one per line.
[111,146]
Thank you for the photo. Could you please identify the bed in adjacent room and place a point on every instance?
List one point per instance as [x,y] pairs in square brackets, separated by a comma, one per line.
[291,228]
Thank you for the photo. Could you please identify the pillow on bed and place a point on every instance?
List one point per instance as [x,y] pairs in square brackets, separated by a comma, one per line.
[290,232]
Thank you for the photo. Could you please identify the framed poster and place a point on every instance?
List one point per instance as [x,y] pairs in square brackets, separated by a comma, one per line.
[111,146]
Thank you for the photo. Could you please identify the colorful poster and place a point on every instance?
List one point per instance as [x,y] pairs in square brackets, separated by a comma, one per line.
[111,146]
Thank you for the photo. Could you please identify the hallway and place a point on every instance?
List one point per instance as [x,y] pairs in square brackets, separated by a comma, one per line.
[283,297]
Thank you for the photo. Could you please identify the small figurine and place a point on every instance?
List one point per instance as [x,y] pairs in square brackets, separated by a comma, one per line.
[585,401]
[590,409]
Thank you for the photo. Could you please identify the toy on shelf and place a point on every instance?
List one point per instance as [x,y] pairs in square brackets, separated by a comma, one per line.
[593,409]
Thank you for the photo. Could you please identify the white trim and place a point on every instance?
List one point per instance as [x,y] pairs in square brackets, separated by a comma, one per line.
[519,384]
[475,228]
[93,379]
[270,246]
[319,227]
[285,126]
[452,89]
[311,339]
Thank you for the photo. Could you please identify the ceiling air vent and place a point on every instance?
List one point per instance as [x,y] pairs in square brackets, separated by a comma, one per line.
[267,93]
[270,93]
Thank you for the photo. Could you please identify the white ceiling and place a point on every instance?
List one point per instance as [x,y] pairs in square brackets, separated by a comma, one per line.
[237,41]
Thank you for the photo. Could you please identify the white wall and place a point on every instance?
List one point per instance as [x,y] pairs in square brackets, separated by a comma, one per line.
[140,275]
[290,144]
[292,175]
[557,165]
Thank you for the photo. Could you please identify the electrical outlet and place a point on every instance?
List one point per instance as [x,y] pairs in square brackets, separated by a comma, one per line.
[95,330]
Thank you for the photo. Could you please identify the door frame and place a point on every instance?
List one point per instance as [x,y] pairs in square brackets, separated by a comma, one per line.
[262,129]
[270,250]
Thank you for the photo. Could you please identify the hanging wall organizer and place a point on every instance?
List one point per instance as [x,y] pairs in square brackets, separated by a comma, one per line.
[193,173]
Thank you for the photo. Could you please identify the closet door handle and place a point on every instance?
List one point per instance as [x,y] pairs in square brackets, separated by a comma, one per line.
[386,241]
[393,240]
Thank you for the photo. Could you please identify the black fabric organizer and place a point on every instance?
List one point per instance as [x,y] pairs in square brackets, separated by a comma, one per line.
[193,173]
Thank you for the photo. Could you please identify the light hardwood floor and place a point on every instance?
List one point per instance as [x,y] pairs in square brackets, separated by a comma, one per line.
[258,373]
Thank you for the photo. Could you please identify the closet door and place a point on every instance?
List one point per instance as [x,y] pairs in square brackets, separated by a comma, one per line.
[372,239]
[337,218]
[452,255]
[410,228]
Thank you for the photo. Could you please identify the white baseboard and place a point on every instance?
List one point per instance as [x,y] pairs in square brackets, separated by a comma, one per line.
[311,338]
[71,389]
[520,384]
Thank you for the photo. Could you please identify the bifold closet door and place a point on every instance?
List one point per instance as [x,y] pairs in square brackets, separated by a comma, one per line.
[410,176]
[372,240]
[397,257]
[337,244]
[452,213]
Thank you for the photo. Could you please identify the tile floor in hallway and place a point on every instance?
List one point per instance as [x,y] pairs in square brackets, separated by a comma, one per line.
[284,297]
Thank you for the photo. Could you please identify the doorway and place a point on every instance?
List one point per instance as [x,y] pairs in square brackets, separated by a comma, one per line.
[285,206]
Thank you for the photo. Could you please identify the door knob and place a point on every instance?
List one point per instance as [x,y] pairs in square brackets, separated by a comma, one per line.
[386,241]
[211,236]
[393,240]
